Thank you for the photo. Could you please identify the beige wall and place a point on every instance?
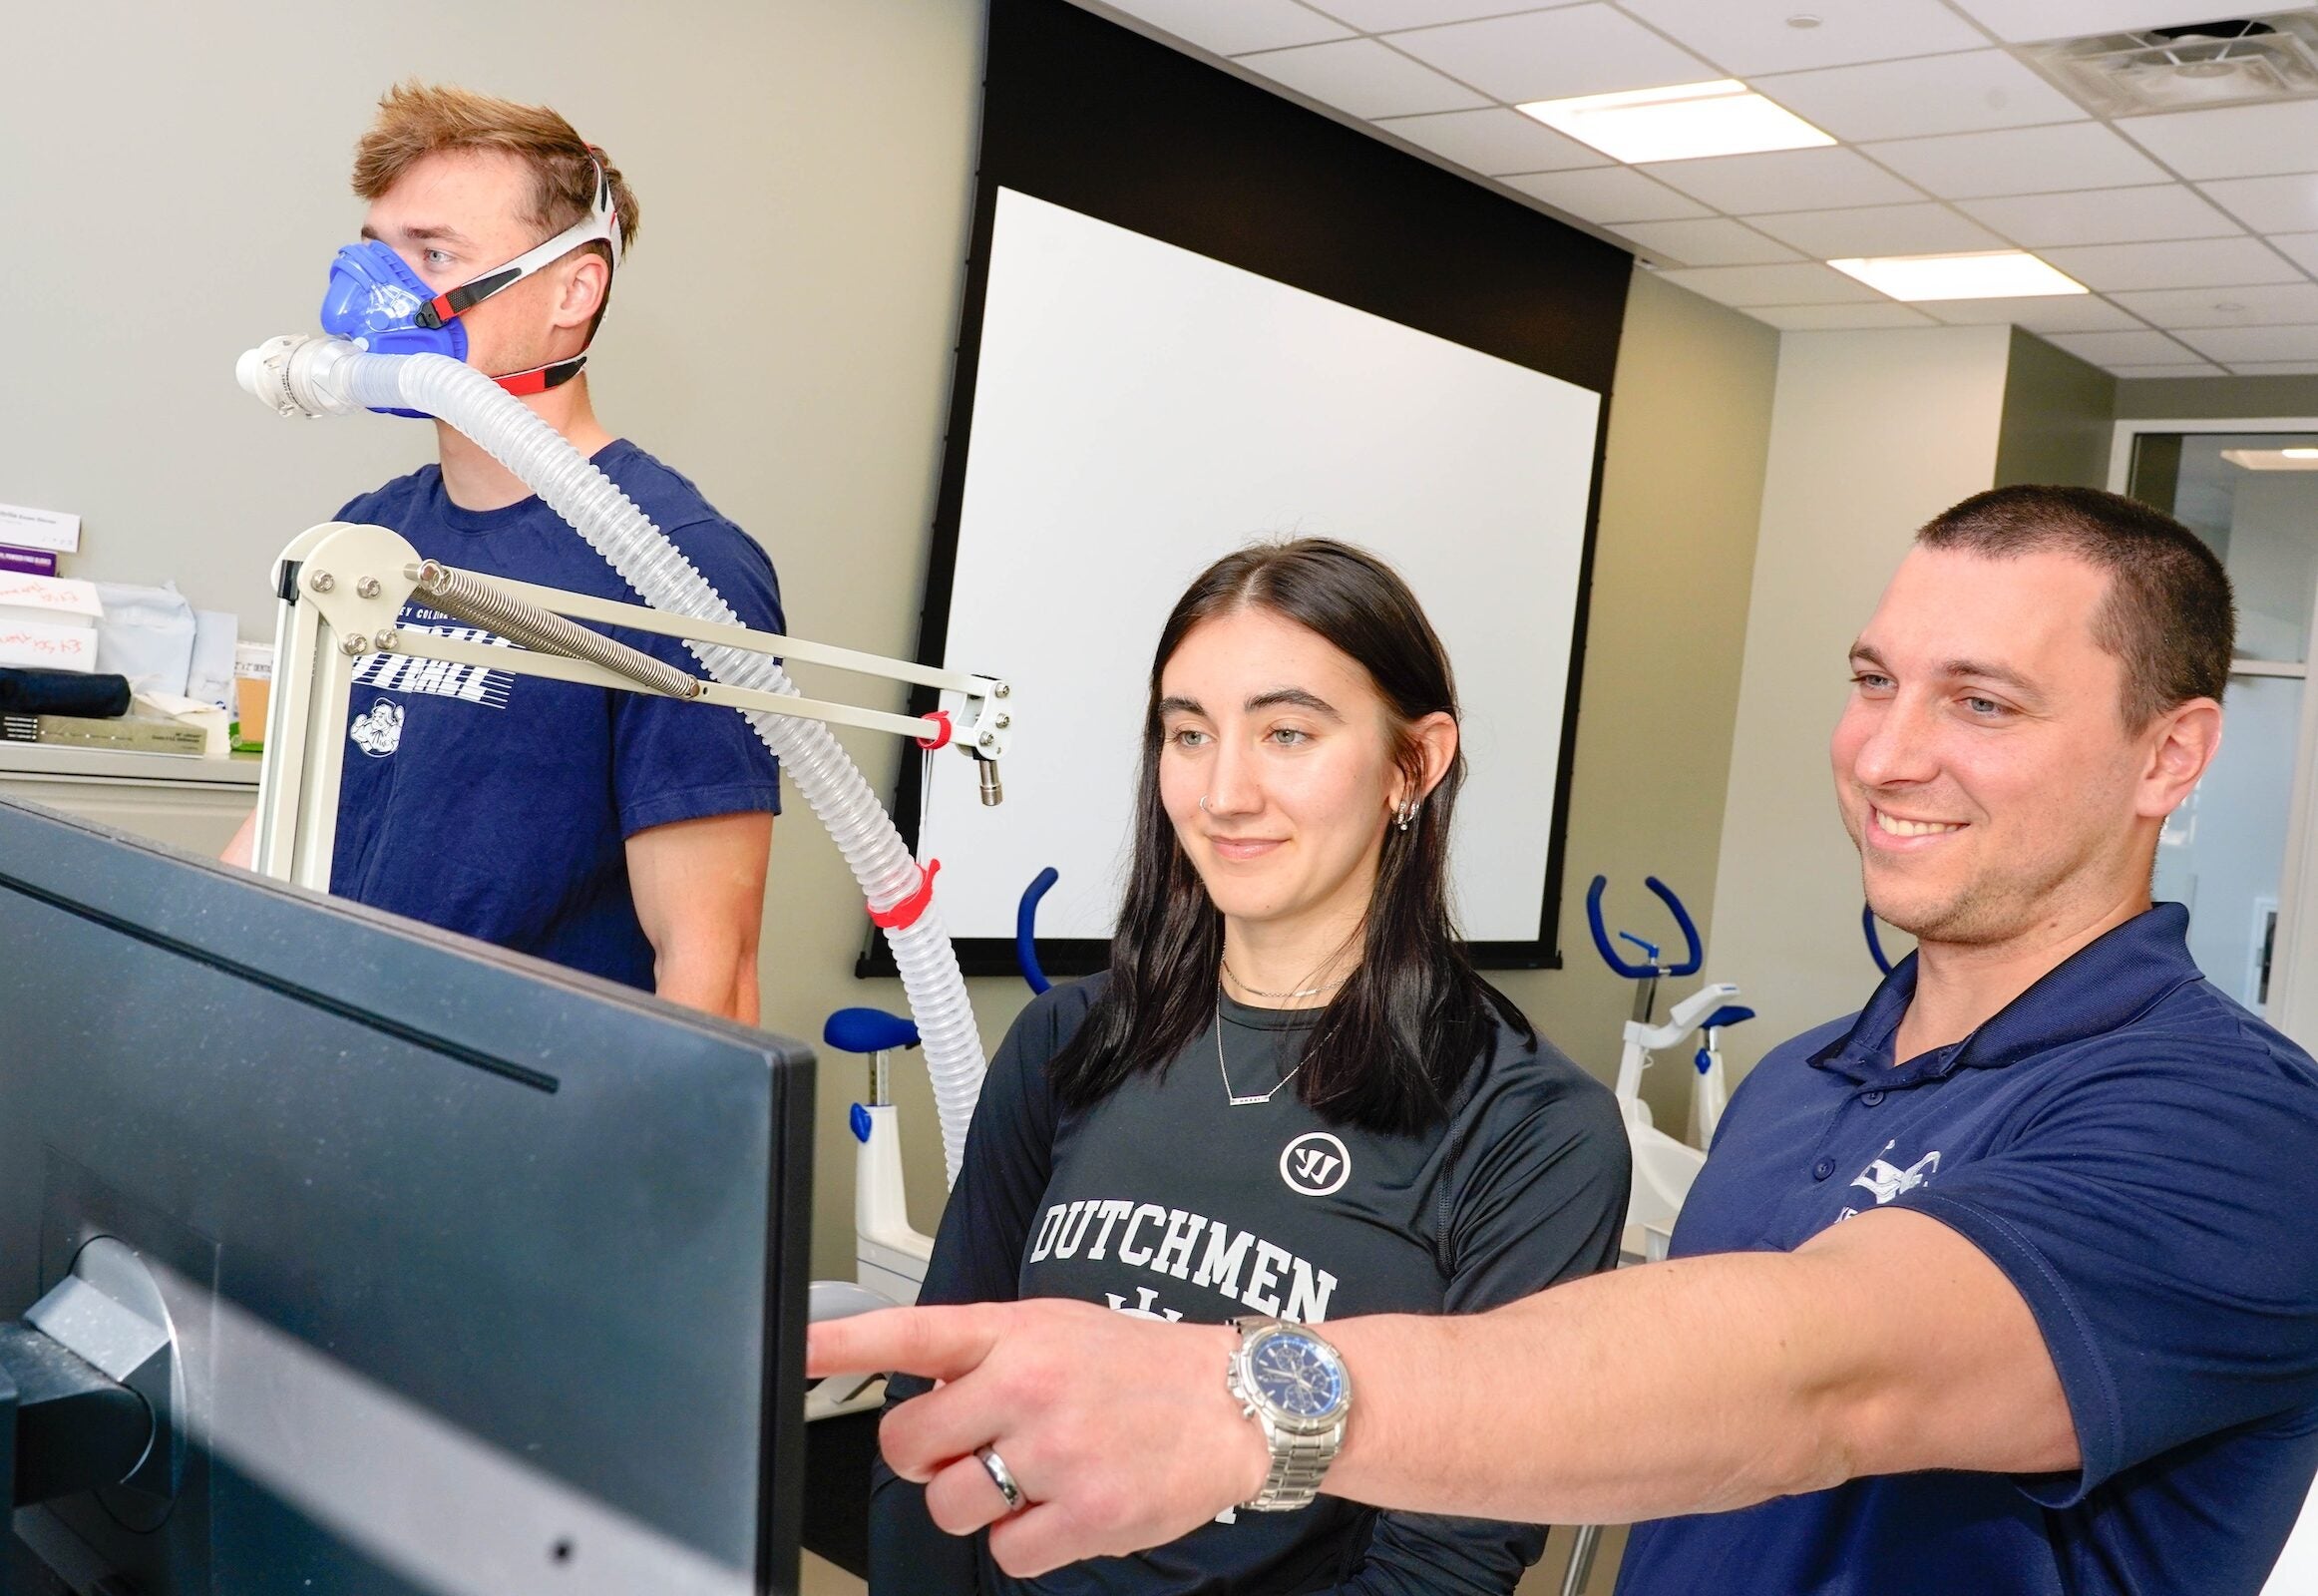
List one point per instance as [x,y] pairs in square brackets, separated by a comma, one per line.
[1872,433]
[2058,415]
[1682,491]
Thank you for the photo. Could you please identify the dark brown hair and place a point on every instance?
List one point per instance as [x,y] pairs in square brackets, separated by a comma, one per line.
[1390,1050]
[2169,615]
[419,119]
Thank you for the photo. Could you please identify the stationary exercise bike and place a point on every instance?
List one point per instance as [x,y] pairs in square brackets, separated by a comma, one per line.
[1662,1167]
[890,1254]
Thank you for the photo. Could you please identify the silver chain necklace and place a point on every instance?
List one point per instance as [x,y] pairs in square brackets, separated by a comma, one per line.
[1258,992]
[1233,1097]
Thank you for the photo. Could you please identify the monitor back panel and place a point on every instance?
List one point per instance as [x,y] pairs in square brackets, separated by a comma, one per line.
[485,1277]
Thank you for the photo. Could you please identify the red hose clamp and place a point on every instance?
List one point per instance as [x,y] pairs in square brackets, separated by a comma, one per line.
[905,913]
[941,716]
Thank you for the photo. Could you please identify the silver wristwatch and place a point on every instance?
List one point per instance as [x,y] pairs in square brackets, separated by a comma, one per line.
[1295,1386]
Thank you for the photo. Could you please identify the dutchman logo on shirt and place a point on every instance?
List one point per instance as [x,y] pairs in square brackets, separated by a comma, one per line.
[379,732]
[1888,1180]
[1315,1164]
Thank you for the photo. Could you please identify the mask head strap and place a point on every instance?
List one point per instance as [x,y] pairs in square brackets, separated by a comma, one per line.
[601,223]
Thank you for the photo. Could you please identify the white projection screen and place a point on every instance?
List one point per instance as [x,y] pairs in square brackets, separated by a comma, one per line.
[1139,409]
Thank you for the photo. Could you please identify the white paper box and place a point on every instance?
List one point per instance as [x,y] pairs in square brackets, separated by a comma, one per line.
[28,527]
[36,646]
[48,600]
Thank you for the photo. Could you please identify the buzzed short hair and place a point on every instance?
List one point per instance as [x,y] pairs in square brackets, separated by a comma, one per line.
[2169,617]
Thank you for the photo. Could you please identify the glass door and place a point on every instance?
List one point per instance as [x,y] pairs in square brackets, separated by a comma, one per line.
[2226,853]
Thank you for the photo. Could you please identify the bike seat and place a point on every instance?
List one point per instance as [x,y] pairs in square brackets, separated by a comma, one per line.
[869,1031]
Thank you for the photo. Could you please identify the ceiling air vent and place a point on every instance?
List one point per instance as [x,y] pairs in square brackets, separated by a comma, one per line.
[2229,63]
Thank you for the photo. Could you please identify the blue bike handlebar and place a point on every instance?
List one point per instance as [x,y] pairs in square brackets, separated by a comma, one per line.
[1874,943]
[1027,928]
[1682,917]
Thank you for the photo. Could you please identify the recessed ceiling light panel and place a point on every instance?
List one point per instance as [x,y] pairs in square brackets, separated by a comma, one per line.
[1987,274]
[1683,123]
[2272,459]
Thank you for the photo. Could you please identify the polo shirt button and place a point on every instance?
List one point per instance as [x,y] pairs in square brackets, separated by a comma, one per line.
[1871,1098]
[1822,1169]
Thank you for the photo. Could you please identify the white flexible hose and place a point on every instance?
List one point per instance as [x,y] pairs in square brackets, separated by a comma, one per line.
[570,484]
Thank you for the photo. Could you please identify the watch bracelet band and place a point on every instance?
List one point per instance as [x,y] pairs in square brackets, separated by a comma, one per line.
[1299,1462]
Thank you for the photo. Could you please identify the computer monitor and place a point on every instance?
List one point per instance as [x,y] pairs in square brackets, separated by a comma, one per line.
[483,1276]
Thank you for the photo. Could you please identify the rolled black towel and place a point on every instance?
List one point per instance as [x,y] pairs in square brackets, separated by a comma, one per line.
[62,693]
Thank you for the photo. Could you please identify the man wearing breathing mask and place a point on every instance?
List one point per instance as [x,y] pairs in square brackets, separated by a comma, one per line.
[615,833]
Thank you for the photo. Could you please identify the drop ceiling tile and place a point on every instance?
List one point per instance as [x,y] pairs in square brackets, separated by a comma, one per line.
[1546,55]
[2299,248]
[2101,216]
[2273,368]
[2270,205]
[1382,16]
[2273,305]
[1230,27]
[1839,318]
[1805,284]
[2231,141]
[1745,37]
[2022,21]
[1972,165]
[1784,179]
[1362,77]
[2192,368]
[1920,230]
[2192,263]
[2060,313]
[2270,344]
[1607,194]
[2142,348]
[1713,241]
[1494,142]
[1964,93]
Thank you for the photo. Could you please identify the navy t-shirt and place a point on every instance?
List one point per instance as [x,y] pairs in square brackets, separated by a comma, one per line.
[500,805]
[2139,1156]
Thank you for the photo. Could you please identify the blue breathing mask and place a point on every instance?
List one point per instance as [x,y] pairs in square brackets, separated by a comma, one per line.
[374,298]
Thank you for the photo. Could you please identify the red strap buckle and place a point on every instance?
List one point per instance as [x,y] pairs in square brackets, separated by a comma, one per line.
[940,717]
[906,913]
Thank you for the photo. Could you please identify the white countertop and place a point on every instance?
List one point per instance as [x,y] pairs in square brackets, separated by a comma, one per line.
[59,761]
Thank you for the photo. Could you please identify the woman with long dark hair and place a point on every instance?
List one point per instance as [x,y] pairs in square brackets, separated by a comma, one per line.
[1290,1095]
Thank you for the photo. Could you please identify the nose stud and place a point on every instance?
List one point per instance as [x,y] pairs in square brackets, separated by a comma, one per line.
[1202,809]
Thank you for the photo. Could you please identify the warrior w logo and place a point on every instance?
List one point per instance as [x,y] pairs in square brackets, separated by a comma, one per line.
[1315,1164]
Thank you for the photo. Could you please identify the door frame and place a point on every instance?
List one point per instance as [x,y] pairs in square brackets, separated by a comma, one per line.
[2294,994]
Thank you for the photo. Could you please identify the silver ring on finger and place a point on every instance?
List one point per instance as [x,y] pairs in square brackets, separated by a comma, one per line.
[1002,1476]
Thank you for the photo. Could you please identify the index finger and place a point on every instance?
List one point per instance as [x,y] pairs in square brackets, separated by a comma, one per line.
[936,1342]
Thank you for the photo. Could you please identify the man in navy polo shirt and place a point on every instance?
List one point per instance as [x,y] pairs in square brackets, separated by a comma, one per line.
[2008,1283]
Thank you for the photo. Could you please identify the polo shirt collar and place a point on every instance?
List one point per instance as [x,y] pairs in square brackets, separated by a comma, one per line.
[2095,989]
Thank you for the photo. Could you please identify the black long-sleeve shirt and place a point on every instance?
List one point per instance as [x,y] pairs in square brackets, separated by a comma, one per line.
[1166,1200]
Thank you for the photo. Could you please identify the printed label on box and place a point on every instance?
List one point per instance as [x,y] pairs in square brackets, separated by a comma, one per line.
[28,527]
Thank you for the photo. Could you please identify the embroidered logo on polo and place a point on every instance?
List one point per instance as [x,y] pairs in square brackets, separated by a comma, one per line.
[1315,1164]
[1888,1181]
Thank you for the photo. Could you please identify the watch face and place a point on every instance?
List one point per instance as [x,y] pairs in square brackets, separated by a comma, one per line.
[1299,1375]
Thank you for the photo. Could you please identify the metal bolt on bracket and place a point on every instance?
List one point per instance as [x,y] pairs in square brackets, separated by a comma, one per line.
[368,588]
[321,581]
[388,640]
[355,643]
